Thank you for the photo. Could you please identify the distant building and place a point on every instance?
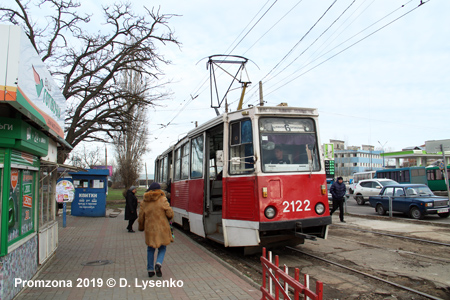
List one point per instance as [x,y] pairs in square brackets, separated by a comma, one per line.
[353,159]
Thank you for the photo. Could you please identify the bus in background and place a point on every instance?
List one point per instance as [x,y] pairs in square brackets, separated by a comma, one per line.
[404,175]
[360,176]
[435,177]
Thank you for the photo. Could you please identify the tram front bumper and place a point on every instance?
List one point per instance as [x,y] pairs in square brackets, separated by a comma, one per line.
[303,228]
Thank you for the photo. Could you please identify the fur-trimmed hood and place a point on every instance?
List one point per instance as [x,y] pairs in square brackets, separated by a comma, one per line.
[153,195]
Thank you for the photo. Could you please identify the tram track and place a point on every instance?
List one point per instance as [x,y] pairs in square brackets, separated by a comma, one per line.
[394,235]
[399,251]
[366,274]
[401,284]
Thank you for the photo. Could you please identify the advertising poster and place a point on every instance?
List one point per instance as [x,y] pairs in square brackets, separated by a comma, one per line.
[65,191]
[27,201]
[13,205]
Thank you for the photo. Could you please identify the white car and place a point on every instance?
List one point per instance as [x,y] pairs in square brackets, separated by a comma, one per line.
[370,187]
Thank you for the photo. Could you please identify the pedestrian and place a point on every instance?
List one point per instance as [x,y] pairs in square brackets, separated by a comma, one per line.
[338,191]
[131,207]
[154,215]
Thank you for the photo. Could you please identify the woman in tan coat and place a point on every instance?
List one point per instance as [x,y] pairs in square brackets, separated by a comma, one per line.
[154,217]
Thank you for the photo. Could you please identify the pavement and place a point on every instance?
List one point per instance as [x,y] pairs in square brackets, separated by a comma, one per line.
[97,258]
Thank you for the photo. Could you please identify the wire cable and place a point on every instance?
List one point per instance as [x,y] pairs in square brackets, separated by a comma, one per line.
[348,47]
[254,25]
[307,48]
[276,23]
[292,49]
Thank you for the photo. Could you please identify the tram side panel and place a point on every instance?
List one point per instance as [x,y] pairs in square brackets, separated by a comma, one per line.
[187,203]
[195,207]
[240,212]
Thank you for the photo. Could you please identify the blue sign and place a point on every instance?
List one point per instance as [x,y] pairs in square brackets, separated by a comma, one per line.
[90,193]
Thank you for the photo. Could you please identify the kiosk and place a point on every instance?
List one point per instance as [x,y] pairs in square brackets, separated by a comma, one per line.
[90,193]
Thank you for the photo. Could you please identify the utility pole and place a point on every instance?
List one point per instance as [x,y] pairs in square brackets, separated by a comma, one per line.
[261,99]
[445,171]
[382,149]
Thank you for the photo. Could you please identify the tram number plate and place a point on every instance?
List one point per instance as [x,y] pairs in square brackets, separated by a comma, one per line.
[296,206]
[442,210]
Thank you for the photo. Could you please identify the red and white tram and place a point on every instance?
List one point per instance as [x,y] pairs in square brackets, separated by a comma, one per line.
[229,182]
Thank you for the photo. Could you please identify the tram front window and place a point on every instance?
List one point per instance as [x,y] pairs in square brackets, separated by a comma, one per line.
[288,145]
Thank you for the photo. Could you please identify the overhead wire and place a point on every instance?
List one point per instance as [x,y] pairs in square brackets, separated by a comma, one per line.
[301,39]
[237,37]
[334,22]
[199,90]
[323,32]
[254,26]
[276,23]
[344,41]
[348,47]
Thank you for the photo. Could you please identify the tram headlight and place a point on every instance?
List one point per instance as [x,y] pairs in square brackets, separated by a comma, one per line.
[270,212]
[320,208]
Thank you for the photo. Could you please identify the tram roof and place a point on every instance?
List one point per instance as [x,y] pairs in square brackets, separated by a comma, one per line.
[254,110]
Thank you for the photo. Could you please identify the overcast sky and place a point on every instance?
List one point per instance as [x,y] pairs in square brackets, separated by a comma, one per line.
[391,88]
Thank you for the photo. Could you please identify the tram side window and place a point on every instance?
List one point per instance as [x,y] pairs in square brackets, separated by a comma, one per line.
[197,157]
[241,147]
[165,169]
[158,176]
[177,170]
[185,161]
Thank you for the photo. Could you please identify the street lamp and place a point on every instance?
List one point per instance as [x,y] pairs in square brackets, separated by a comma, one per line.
[382,149]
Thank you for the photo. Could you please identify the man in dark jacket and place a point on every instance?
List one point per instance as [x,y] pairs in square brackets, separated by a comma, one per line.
[131,207]
[338,191]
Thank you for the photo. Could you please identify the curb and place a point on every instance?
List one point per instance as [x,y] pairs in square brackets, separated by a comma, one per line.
[408,221]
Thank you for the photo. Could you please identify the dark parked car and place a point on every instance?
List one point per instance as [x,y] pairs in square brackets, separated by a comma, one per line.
[415,200]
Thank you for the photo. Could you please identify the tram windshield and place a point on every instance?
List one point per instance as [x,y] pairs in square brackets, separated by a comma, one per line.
[288,145]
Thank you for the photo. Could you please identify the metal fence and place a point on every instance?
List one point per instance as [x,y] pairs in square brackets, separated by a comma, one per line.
[277,282]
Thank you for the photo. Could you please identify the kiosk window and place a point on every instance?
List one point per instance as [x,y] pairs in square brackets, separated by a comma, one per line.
[81,183]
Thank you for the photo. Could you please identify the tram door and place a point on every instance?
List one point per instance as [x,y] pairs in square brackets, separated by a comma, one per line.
[213,184]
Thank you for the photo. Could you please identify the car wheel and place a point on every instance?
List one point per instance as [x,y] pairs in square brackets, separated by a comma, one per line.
[415,213]
[444,215]
[360,200]
[380,210]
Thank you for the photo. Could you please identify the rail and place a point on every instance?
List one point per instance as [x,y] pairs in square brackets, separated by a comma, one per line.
[273,276]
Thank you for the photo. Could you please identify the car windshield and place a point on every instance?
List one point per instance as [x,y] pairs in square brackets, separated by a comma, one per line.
[388,182]
[419,191]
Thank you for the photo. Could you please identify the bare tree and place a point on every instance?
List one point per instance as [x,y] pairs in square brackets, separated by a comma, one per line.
[89,72]
[86,157]
[130,140]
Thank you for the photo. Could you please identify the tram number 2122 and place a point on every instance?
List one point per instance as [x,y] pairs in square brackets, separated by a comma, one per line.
[296,206]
